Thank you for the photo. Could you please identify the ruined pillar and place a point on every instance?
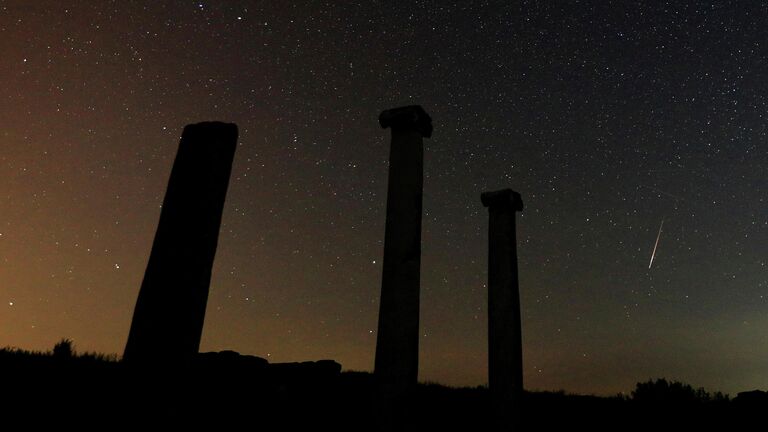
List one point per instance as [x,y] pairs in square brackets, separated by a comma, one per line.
[505,342]
[170,310]
[397,341]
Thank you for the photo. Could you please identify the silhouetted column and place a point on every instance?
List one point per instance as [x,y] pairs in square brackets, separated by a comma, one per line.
[397,341]
[170,310]
[505,342]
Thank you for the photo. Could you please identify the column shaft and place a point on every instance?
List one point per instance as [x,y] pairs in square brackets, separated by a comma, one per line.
[170,309]
[505,350]
[397,343]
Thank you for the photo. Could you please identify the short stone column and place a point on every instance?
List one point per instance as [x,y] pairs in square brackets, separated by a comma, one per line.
[170,310]
[505,342]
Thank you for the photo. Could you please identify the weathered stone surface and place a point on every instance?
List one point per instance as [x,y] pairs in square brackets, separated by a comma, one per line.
[170,310]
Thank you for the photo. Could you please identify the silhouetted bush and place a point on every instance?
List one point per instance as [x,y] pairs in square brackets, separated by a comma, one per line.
[662,391]
[64,349]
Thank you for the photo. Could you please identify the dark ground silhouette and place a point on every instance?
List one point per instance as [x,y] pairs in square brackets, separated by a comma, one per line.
[228,390]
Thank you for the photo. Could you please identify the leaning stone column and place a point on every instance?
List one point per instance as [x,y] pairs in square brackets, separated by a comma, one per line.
[505,342]
[397,341]
[170,310]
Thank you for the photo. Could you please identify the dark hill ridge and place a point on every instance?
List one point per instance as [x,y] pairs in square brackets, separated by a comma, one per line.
[227,390]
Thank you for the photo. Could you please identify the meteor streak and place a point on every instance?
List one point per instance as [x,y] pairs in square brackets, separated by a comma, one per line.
[653,254]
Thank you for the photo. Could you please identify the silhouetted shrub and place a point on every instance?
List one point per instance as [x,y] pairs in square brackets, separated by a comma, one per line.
[63,349]
[665,392]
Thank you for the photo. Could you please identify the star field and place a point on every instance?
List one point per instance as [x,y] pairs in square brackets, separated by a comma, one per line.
[607,117]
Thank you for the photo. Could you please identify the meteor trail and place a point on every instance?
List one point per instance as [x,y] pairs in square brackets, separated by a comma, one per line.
[653,254]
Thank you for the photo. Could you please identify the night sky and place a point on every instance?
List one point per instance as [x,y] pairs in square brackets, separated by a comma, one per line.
[607,117]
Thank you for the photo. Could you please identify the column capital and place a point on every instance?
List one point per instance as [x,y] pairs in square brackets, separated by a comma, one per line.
[408,117]
[502,198]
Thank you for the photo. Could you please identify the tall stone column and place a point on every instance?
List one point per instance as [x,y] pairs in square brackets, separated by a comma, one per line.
[397,341]
[170,310]
[505,342]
